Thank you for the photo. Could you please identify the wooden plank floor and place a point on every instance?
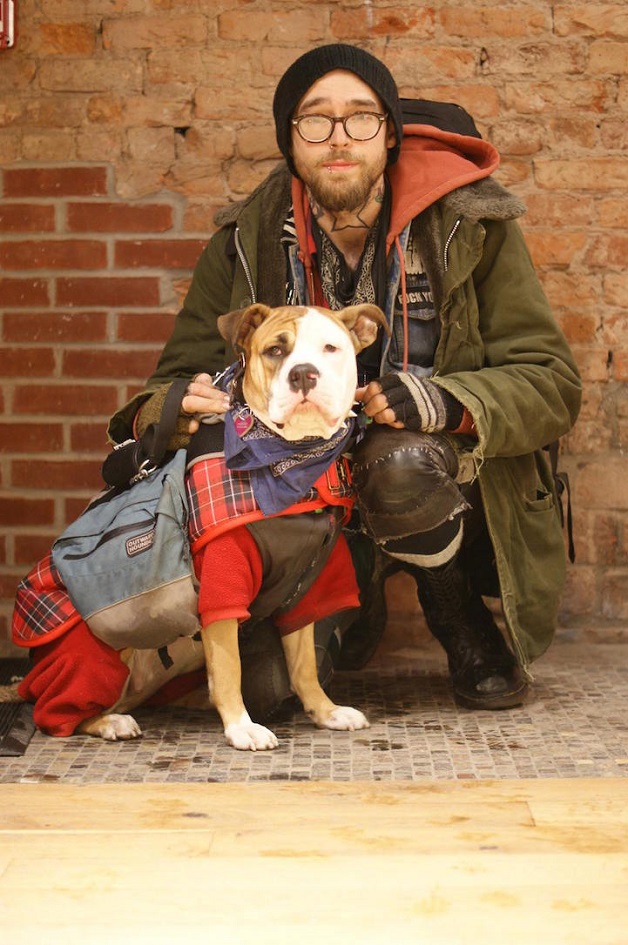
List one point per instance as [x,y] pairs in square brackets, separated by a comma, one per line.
[539,862]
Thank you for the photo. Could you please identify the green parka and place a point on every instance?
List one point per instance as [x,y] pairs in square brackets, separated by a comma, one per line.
[500,353]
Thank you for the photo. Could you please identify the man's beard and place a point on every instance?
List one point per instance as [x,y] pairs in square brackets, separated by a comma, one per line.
[332,193]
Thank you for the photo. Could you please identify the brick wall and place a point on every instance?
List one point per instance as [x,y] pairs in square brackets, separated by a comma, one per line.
[123,127]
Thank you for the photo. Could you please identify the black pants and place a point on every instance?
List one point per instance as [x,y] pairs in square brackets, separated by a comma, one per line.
[410,500]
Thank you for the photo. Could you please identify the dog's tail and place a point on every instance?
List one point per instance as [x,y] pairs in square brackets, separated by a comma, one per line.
[10,693]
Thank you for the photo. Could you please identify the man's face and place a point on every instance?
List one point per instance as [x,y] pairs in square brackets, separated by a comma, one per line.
[341,172]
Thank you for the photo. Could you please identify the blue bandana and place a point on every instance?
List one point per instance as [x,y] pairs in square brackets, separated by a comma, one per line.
[282,472]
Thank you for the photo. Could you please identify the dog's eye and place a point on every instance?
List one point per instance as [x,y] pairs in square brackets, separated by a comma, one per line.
[329,349]
[274,352]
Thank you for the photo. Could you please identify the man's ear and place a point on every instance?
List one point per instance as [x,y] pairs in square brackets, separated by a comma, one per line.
[237,327]
[363,322]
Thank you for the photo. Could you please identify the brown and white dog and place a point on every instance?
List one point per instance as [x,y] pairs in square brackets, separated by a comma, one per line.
[299,381]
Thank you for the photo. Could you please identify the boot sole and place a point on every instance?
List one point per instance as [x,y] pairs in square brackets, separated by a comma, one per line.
[504,700]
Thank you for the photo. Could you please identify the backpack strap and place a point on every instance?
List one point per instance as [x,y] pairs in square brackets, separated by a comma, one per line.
[156,437]
[133,460]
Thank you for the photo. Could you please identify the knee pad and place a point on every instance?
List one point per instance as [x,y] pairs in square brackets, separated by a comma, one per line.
[405,482]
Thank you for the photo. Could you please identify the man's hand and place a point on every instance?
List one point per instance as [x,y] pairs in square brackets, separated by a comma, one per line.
[203,398]
[376,406]
[412,403]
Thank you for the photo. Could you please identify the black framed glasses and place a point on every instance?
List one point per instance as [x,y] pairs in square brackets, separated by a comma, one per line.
[361,126]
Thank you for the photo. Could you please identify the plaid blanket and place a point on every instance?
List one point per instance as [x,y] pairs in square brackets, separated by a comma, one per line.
[218,499]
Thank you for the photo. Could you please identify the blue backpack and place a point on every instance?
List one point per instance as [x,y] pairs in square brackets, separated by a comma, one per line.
[126,561]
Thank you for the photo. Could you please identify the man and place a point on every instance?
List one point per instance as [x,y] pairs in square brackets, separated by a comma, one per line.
[473,380]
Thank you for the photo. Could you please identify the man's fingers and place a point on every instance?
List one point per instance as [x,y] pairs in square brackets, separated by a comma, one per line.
[213,402]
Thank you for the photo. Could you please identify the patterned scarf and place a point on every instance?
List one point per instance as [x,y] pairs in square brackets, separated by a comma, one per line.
[282,472]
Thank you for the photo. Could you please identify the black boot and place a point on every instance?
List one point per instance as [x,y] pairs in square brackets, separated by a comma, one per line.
[484,672]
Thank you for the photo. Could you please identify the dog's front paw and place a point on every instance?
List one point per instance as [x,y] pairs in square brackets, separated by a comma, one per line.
[343,718]
[249,736]
[111,727]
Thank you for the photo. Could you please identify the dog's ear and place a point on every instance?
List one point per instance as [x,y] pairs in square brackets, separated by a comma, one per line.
[237,327]
[363,321]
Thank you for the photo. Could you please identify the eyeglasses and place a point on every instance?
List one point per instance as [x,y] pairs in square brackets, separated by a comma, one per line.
[361,126]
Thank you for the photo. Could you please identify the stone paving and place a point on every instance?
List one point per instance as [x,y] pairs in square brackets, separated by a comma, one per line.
[574,724]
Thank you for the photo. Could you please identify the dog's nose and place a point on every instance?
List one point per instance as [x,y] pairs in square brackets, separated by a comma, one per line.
[303,377]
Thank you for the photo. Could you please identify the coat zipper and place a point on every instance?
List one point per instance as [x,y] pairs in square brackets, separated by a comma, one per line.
[245,264]
[449,239]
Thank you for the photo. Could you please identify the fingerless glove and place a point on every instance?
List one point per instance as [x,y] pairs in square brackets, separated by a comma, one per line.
[420,404]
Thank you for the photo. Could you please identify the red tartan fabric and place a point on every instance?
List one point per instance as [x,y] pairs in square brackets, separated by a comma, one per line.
[220,499]
[43,611]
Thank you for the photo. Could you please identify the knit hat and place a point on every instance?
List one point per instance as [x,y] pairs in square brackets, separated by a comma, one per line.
[318,62]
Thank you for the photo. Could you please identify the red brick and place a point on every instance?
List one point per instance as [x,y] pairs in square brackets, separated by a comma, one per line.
[29,362]
[118,218]
[145,326]
[480,22]
[552,248]
[608,251]
[55,326]
[151,32]
[8,586]
[55,182]
[27,218]
[592,19]
[612,472]
[612,212]
[74,505]
[306,24]
[608,58]
[17,510]
[169,254]
[60,474]
[53,254]
[74,400]
[581,592]
[113,292]
[580,328]
[364,22]
[614,593]
[620,366]
[110,362]
[32,548]
[30,437]
[22,293]
[66,39]
[60,75]
[89,438]
[597,174]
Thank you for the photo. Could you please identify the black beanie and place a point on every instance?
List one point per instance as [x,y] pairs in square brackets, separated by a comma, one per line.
[318,62]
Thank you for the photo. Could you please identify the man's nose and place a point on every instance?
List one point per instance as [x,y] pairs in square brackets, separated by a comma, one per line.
[339,136]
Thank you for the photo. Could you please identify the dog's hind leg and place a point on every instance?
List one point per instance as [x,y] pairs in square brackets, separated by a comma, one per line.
[301,659]
[224,677]
[110,726]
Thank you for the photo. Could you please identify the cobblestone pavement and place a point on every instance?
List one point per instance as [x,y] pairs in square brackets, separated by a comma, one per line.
[574,725]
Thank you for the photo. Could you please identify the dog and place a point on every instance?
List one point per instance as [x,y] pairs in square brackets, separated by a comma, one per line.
[298,380]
